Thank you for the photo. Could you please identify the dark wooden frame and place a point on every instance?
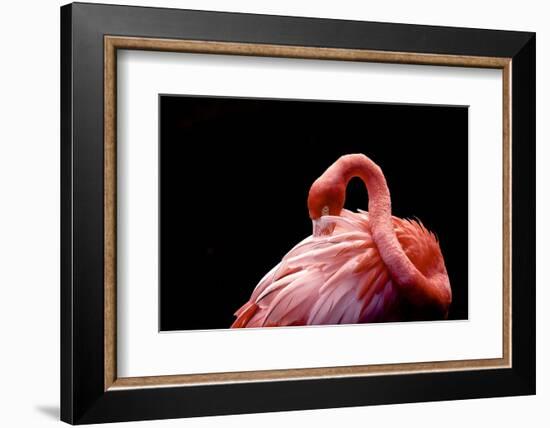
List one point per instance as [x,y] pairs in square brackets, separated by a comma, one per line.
[90,34]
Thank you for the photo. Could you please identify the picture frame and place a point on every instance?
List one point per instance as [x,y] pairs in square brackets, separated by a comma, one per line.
[91,36]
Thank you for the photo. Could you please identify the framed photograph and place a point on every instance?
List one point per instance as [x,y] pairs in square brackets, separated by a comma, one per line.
[265,213]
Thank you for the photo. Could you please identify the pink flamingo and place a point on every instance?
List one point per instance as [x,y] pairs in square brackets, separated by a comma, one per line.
[356,267]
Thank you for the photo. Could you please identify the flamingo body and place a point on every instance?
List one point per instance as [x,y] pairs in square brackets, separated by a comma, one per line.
[349,270]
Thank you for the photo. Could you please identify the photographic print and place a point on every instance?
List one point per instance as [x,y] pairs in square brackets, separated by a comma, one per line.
[279,213]
[298,199]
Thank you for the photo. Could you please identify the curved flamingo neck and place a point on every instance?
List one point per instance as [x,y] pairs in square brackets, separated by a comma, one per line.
[343,170]
[330,189]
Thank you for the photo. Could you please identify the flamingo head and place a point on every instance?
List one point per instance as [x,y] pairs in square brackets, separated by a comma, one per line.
[326,197]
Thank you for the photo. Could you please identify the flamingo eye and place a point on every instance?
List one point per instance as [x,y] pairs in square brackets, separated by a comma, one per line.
[325,210]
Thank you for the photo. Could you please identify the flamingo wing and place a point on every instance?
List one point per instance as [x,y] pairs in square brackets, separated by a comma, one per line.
[335,279]
[338,278]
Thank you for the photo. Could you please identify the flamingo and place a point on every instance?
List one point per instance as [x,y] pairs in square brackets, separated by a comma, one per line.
[356,267]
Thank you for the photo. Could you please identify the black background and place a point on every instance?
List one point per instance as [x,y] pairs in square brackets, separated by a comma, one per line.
[234,178]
